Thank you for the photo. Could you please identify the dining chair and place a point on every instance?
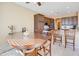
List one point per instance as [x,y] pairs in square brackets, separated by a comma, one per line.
[70,37]
[45,49]
[28,50]
[57,36]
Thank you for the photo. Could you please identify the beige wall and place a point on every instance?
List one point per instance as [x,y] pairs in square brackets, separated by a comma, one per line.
[13,14]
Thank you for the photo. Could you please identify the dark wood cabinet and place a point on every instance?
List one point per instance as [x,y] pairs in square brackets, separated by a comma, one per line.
[39,21]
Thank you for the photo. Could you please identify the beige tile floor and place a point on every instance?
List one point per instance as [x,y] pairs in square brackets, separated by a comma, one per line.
[56,49]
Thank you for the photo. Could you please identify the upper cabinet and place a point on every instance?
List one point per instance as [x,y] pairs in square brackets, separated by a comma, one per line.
[69,22]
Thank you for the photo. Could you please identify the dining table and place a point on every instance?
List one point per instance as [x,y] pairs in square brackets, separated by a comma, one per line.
[20,41]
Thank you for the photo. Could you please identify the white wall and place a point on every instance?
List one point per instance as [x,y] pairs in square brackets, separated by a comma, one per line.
[13,14]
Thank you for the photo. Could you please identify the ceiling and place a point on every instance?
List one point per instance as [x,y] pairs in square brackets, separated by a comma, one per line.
[52,8]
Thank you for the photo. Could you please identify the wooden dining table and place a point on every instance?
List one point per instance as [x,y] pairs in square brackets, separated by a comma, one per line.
[18,40]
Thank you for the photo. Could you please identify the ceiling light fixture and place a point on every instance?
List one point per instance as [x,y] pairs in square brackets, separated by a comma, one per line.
[38,3]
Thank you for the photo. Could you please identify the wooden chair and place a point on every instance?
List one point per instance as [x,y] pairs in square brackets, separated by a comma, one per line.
[28,50]
[46,47]
[70,36]
[57,37]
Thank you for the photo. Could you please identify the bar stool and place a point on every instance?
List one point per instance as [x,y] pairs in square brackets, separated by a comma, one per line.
[57,37]
[70,36]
